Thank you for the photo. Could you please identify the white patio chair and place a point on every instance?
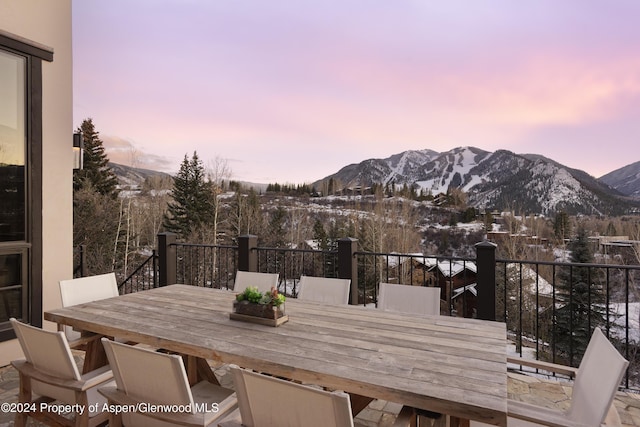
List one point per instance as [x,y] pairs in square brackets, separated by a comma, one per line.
[263,281]
[596,382]
[324,290]
[409,299]
[419,300]
[265,401]
[83,290]
[144,377]
[50,374]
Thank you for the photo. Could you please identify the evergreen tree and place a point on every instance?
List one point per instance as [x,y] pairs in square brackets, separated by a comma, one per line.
[191,210]
[276,228]
[488,221]
[96,210]
[95,170]
[562,226]
[468,215]
[320,235]
[582,299]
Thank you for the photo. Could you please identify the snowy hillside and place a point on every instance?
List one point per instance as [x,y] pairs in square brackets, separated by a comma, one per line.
[498,180]
[626,180]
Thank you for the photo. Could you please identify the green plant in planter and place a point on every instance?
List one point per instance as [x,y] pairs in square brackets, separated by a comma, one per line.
[252,294]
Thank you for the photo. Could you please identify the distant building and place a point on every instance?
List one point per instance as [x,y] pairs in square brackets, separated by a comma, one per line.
[456,279]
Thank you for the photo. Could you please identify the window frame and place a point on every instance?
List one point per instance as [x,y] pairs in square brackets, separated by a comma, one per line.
[31,248]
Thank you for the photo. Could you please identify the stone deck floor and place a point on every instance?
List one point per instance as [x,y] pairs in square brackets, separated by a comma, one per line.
[379,413]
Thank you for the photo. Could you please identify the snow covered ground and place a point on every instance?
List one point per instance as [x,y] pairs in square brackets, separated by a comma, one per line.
[620,309]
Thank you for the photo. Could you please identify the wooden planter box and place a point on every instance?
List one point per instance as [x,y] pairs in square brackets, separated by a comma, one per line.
[258,313]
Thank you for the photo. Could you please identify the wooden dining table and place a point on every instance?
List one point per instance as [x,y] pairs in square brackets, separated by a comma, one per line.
[442,364]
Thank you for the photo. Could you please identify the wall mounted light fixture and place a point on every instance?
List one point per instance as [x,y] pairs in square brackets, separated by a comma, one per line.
[78,150]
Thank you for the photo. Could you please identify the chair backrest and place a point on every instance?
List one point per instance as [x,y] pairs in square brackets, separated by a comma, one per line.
[597,381]
[409,299]
[293,404]
[148,376]
[263,281]
[47,351]
[325,290]
[87,289]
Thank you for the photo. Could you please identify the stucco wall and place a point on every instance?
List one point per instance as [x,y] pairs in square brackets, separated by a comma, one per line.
[48,22]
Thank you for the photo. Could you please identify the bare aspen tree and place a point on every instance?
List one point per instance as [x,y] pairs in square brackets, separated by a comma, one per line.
[634,235]
[376,226]
[407,238]
[298,225]
[117,236]
[244,213]
[218,171]
[133,156]
[156,191]
[238,213]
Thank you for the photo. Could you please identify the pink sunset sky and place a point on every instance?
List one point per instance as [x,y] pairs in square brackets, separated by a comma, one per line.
[293,90]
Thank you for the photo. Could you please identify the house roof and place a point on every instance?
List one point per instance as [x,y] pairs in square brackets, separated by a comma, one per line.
[453,268]
[459,291]
[529,276]
[447,268]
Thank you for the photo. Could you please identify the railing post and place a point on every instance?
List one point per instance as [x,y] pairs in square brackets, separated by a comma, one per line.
[83,265]
[347,265]
[167,259]
[247,255]
[486,280]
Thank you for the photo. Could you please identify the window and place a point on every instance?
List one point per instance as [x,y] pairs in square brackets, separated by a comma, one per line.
[12,147]
[20,181]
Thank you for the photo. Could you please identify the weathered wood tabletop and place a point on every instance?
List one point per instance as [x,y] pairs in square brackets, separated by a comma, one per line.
[444,364]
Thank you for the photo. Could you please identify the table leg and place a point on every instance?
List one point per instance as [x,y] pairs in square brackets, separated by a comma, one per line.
[459,422]
[95,357]
[198,369]
[358,403]
[205,372]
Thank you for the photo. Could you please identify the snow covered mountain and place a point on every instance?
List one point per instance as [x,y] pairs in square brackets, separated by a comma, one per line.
[492,180]
[134,177]
[626,180]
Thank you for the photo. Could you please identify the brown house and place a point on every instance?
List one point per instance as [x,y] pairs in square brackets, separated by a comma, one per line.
[456,280]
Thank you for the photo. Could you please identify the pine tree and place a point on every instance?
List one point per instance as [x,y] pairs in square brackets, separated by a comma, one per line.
[488,221]
[95,205]
[562,226]
[582,301]
[96,170]
[276,228]
[191,210]
[320,235]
